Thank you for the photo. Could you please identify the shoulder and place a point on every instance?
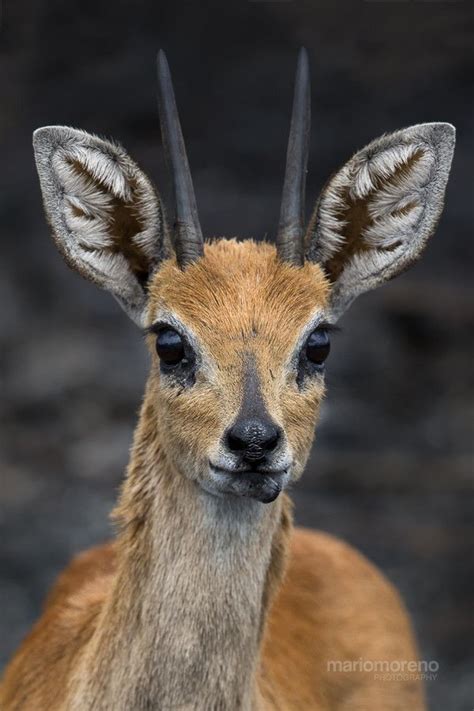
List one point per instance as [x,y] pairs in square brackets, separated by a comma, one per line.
[335,582]
[69,618]
[90,568]
[334,607]
[322,560]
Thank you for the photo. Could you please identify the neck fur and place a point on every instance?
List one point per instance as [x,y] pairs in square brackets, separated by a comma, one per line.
[183,624]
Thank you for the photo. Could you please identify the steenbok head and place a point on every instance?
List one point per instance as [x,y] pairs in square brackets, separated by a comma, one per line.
[239,331]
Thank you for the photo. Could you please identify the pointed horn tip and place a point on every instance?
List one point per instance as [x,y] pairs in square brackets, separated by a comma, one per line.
[303,54]
[161,58]
[162,64]
[303,61]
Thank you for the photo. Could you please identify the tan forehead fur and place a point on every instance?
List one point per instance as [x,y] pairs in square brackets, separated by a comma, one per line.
[240,290]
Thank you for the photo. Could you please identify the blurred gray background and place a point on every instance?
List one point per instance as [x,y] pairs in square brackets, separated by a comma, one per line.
[392,469]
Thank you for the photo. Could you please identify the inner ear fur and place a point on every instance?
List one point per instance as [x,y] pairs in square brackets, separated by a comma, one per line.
[375,215]
[107,219]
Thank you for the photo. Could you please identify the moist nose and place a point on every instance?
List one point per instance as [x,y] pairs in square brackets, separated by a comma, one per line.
[253,438]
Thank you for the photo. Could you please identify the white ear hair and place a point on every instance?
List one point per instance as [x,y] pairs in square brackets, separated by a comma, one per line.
[376,214]
[106,217]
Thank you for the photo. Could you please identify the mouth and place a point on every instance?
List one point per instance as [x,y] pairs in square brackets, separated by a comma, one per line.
[264,485]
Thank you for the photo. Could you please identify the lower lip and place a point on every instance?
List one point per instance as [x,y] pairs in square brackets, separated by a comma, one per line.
[259,486]
[243,472]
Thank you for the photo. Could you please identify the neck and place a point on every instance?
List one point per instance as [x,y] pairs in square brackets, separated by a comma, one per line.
[183,624]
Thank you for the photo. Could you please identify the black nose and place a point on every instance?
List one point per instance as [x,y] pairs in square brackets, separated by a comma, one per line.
[253,438]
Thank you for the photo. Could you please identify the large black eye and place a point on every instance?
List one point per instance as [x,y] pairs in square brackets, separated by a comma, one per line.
[318,346]
[170,346]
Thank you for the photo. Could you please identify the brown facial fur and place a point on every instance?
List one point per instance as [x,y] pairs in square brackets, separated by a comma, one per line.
[241,303]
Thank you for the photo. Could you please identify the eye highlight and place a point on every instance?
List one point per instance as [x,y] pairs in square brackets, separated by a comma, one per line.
[170,347]
[318,346]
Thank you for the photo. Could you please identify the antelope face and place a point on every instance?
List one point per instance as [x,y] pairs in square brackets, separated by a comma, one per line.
[239,331]
[239,342]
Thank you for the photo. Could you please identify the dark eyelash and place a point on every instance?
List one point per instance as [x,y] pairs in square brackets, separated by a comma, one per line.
[155,328]
[331,327]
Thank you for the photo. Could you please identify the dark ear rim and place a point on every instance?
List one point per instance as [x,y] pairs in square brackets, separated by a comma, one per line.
[322,240]
[48,141]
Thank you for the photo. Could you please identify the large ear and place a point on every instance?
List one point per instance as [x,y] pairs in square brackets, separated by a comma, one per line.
[375,215]
[106,218]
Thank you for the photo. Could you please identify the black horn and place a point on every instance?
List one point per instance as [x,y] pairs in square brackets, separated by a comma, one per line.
[188,241]
[290,237]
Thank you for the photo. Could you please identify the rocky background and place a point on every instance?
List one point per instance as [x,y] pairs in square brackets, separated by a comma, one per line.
[392,468]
